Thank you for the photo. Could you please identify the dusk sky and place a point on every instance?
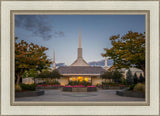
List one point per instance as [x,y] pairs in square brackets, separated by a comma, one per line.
[61,32]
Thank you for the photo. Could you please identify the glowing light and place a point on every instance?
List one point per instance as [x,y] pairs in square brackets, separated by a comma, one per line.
[80,78]
[86,79]
[73,79]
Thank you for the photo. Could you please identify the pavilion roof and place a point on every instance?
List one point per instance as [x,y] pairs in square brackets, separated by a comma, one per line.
[81,70]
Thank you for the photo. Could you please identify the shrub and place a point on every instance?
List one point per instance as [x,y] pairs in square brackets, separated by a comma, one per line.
[113,84]
[47,82]
[85,83]
[52,82]
[123,81]
[18,88]
[55,82]
[131,87]
[140,87]
[70,83]
[105,84]
[31,87]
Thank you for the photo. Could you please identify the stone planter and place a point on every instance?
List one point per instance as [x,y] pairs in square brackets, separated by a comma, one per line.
[79,89]
[105,87]
[48,87]
[111,87]
[29,93]
[91,89]
[67,89]
[130,94]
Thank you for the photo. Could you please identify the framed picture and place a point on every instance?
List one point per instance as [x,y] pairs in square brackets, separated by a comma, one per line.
[80,58]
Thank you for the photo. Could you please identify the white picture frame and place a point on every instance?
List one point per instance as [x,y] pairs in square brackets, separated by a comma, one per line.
[8,109]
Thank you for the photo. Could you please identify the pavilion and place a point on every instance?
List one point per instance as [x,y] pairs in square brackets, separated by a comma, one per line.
[80,70]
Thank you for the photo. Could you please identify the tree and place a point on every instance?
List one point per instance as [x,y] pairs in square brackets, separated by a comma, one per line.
[44,74]
[128,50]
[135,78]
[29,56]
[30,73]
[50,74]
[129,77]
[117,76]
[55,74]
[107,75]
[141,78]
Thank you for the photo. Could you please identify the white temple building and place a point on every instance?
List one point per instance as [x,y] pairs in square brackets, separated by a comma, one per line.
[80,69]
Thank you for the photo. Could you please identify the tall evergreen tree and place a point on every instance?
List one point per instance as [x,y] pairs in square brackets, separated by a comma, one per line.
[141,78]
[135,78]
[129,77]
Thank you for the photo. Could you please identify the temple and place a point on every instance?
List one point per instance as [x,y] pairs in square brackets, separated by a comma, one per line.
[80,69]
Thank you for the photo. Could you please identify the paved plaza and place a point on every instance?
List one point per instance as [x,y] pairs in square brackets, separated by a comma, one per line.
[100,95]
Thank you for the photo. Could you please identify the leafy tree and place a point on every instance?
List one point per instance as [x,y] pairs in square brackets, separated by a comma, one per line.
[29,56]
[30,73]
[117,76]
[55,74]
[44,74]
[135,78]
[129,77]
[141,78]
[107,75]
[128,50]
[50,74]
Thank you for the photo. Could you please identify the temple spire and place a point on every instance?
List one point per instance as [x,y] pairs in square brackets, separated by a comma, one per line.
[79,37]
[80,48]
[54,64]
[105,67]
[80,61]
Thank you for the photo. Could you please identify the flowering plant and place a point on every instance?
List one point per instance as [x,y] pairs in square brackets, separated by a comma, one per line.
[68,86]
[79,86]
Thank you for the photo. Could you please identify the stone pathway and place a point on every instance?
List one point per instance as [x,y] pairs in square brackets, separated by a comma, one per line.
[100,95]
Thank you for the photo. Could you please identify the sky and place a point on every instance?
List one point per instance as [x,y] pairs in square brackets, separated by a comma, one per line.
[61,33]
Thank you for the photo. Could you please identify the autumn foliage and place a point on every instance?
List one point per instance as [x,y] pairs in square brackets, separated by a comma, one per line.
[29,56]
[128,50]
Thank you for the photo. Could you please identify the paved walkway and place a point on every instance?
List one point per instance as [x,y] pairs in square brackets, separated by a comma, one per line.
[100,95]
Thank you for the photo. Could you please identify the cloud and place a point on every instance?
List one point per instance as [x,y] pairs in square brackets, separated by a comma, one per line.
[40,26]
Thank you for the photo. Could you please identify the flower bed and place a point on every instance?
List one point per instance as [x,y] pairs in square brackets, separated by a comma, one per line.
[45,86]
[79,88]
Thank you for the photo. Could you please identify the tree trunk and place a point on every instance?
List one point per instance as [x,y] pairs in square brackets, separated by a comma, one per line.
[18,79]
